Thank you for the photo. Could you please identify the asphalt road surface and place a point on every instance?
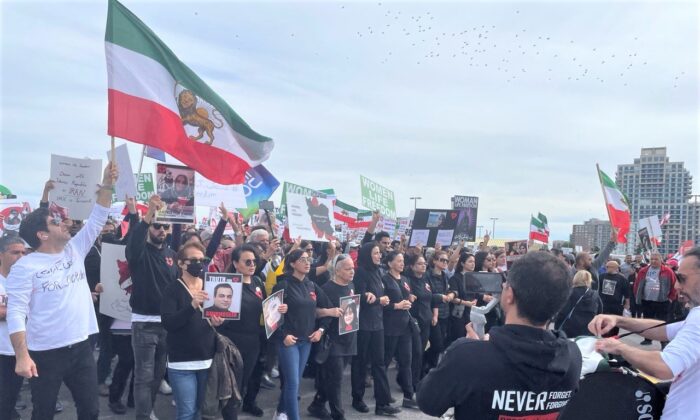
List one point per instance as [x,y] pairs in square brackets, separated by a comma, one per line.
[267,399]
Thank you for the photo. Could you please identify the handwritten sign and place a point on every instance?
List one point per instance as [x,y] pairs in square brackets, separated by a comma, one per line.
[211,194]
[75,183]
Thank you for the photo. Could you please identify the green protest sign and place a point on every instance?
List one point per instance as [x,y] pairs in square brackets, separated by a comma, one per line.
[377,197]
[144,188]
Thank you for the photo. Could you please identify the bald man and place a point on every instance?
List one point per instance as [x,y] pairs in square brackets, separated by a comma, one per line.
[614,290]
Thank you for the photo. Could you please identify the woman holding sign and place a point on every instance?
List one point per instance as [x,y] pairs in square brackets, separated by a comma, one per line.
[302,297]
[244,333]
[191,340]
[343,340]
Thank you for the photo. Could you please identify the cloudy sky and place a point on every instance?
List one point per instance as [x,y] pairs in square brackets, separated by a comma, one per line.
[510,102]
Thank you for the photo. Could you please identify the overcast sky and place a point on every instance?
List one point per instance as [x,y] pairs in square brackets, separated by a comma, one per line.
[510,102]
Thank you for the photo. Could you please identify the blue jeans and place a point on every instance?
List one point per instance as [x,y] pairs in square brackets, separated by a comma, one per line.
[292,361]
[189,387]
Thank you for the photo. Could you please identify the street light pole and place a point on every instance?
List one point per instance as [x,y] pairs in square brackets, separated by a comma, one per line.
[415,200]
[480,228]
[493,227]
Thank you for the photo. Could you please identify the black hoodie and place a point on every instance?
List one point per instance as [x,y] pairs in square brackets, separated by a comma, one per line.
[520,372]
[583,305]
[368,279]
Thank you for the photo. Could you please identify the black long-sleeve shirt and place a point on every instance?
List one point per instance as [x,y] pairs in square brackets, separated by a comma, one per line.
[367,281]
[395,320]
[190,337]
[302,298]
[422,307]
[346,344]
[251,310]
[440,287]
[152,269]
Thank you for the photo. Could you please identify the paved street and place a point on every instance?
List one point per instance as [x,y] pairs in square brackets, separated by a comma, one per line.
[267,399]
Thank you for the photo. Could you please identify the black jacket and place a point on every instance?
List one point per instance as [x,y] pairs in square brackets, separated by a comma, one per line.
[422,308]
[152,271]
[251,310]
[368,279]
[466,288]
[588,306]
[346,344]
[521,371]
[395,320]
[190,337]
[440,286]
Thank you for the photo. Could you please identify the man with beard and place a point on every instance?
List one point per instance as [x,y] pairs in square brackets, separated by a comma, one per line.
[680,359]
[152,268]
[654,290]
[584,260]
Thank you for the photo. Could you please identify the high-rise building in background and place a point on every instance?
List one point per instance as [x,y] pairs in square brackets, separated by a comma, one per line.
[655,186]
[591,234]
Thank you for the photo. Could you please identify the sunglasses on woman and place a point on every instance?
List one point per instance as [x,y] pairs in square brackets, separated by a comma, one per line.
[443,260]
[249,263]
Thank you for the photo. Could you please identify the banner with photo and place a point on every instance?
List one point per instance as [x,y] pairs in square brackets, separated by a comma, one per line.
[115,277]
[271,315]
[350,320]
[175,185]
[515,250]
[310,218]
[466,221]
[431,226]
[75,184]
[12,212]
[225,292]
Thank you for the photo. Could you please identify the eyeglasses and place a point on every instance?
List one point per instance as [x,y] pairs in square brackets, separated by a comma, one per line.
[197,260]
[490,259]
[304,260]
[443,260]
[55,220]
[249,263]
[158,226]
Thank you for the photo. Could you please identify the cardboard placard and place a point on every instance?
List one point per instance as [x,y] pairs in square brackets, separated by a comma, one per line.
[75,184]
[225,292]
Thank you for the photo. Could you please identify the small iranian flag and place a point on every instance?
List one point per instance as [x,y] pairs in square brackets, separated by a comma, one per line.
[364,217]
[156,100]
[539,229]
[618,207]
[344,213]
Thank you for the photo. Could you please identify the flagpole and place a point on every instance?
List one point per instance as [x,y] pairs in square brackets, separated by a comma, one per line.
[111,156]
[143,153]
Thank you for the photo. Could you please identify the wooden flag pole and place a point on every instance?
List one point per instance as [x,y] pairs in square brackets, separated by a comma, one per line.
[143,153]
[111,156]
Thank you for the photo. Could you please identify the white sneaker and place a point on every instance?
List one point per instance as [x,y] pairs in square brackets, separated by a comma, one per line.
[165,389]
[274,373]
[153,416]
[279,416]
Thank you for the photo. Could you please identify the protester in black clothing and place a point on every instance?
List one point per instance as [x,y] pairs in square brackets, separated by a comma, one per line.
[397,328]
[244,332]
[343,347]
[421,310]
[485,261]
[464,293]
[614,290]
[370,337]
[584,260]
[153,269]
[439,283]
[523,369]
[582,306]
[320,268]
[299,331]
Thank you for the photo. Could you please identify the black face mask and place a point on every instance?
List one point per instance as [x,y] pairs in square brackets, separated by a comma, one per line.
[195,269]
[109,238]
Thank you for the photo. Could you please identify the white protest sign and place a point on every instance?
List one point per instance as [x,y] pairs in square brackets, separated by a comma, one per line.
[116,282]
[419,236]
[75,182]
[211,194]
[126,184]
[310,218]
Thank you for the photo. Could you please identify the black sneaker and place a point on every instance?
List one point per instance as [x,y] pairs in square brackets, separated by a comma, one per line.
[392,400]
[645,342]
[386,410]
[319,412]
[360,406]
[117,407]
[409,403]
[253,410]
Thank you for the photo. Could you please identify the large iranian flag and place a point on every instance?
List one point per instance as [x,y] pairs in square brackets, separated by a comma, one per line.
[539,228]
[618,208]
[156,100]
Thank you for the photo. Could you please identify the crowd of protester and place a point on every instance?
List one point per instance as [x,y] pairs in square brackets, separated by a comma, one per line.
[415,303]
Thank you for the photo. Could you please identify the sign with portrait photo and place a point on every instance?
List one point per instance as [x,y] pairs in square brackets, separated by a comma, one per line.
[431,226]
[225,293]
[175,185]
[350,320]
[273,318]
[515,250]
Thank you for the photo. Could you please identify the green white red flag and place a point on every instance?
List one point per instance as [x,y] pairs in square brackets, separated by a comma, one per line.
[156,100]
[350,215]
[539,228]
[618,206]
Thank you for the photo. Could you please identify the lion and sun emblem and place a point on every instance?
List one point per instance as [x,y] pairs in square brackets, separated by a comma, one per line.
[198,116]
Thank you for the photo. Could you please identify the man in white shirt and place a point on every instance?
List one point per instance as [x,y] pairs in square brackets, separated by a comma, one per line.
[11,249]
[50,313]
[680,359]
